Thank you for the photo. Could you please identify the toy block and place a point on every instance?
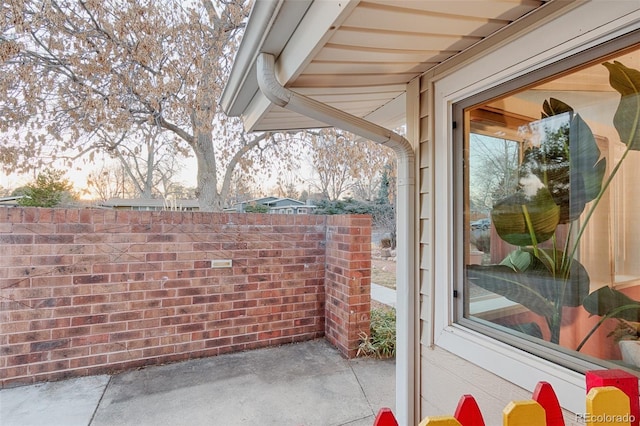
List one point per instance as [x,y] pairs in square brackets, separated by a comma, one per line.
[385,417]
[607,406]
[546,397]
[626,382]
[523,413]
[468,413]
[439,421]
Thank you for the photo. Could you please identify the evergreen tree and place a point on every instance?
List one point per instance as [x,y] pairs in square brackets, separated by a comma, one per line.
[50,189]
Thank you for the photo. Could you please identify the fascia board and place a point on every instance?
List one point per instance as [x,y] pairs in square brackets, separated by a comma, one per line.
[314,30]
[270,26]
[260,20]
[256,110]
[311,32]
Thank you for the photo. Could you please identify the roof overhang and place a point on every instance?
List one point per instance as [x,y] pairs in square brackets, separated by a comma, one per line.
[356,55]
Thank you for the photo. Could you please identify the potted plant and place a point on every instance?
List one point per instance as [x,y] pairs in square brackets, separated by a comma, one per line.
[625,331]
[627,334]
[561,180]
[609,303]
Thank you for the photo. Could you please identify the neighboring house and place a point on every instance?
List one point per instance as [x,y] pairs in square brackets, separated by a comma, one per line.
[11,201]
[149,204]
[466,78]
[275,205]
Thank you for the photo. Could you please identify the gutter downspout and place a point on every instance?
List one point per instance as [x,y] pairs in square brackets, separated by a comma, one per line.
[406,341]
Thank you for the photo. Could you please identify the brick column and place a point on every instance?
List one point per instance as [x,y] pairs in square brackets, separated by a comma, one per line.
[347,281]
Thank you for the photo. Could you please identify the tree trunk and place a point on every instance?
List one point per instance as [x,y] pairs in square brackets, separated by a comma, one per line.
[207,191]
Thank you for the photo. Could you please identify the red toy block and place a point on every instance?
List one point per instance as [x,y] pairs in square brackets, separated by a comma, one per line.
[468,413]
[626,382]
[385,417]
[546,396]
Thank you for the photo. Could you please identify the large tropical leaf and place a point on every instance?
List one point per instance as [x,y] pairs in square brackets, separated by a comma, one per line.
[554,107]
[587,169]
[567,160]
[515,286]
[520,218]
[525,279]
[627,118]
[610,303]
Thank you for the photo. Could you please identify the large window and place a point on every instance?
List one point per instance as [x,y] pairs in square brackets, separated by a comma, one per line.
[551,212]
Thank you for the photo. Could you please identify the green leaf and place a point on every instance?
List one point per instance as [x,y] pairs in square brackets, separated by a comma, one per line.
[520,216]
[554,107]
[610,303]
[627,117]
[529,281]
[516,286]
[518,260]
[587,169]
[567,160]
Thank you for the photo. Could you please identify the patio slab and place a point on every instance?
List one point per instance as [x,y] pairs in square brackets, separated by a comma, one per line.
[299,384]
[69,402]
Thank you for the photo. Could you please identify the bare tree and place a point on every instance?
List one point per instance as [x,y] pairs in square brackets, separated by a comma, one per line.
[240,189]
[287,186]
[343,164]
[109,182]
[373,160]
[333,154]
[4,192]
[75,71]
[493,165]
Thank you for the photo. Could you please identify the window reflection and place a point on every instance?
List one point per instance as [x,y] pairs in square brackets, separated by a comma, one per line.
[551,200]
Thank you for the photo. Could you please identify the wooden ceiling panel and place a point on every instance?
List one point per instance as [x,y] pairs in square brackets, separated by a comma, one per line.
[400,40]
[368,68]
[505,10]
[356,80]
[394,19]
[334,53]
[364,66]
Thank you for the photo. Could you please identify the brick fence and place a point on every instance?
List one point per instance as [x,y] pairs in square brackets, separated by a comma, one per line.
[96,291]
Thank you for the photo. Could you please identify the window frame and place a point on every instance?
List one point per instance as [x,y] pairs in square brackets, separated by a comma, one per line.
[551,352]
[519,360]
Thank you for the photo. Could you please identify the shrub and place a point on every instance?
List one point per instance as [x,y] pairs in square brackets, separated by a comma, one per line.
[385,243]
[381,340]
[482,242]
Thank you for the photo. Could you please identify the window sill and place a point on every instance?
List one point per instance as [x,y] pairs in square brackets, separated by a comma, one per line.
[514,365]
[494,307]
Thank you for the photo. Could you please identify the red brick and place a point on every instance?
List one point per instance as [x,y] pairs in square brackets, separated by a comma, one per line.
[90,340]
[91,279]
[90,319]
[273,294]
[125,335]
[175,320]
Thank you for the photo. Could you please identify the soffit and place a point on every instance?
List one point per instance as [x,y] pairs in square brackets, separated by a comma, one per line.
[364,59]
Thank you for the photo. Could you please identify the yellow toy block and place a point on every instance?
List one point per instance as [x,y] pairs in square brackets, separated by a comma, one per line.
[607,406]
[524,413]
[440,421]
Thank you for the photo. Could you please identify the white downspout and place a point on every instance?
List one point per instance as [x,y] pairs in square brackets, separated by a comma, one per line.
[406,295]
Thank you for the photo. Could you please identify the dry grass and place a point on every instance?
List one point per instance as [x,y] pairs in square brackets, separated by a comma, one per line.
[383,278]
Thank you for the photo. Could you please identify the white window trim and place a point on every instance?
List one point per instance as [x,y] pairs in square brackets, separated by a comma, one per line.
[562,37]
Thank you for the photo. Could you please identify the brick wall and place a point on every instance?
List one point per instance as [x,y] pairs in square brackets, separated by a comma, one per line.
[348,281]
[94,291]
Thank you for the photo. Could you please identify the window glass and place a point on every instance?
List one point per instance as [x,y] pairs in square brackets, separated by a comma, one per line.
[551,209]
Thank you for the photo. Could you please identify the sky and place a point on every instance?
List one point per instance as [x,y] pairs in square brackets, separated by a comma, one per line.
[78,176]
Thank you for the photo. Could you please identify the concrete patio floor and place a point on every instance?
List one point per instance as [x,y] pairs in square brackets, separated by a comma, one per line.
[302,384]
